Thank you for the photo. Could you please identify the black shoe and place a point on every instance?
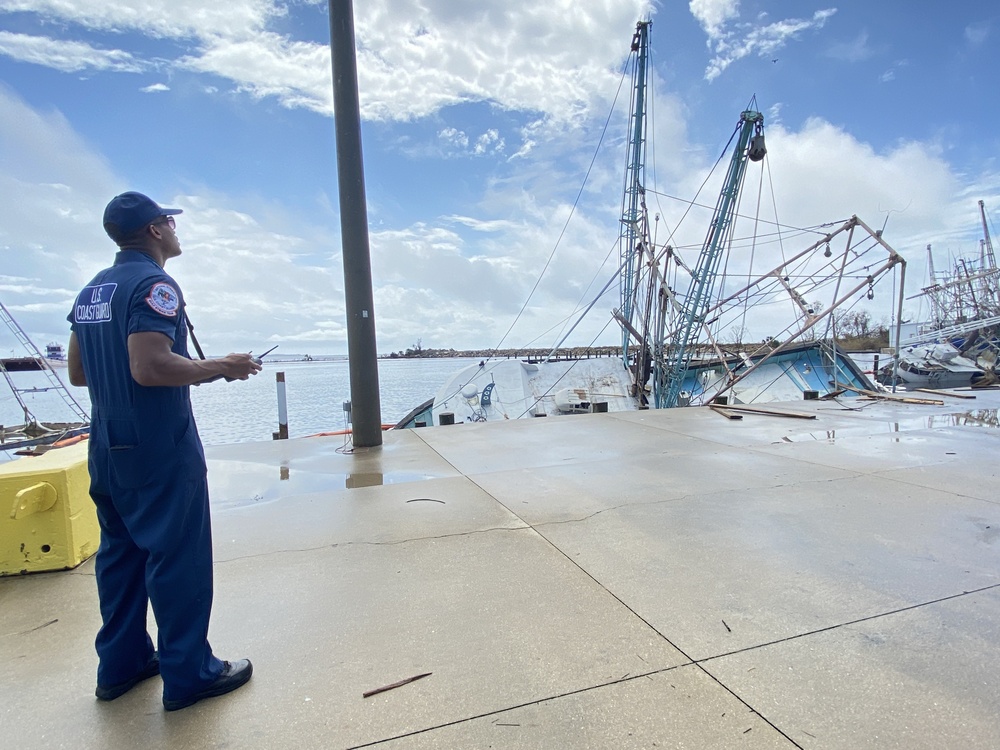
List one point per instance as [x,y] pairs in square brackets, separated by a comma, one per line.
[234,674]
[151,669]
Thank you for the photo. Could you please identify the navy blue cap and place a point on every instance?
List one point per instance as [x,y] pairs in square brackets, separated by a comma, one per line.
[129,212]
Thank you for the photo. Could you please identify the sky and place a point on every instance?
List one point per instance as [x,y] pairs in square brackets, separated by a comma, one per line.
[481,127]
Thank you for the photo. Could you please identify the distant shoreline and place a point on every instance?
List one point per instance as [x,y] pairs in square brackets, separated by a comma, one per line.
[588,352]
[572,353]
[580,352]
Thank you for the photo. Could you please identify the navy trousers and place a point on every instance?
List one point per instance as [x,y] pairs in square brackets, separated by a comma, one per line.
[156,547]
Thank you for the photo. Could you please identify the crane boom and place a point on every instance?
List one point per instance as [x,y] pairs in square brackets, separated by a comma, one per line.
[990,258]
[678,351]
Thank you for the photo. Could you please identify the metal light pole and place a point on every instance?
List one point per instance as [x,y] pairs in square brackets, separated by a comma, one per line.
[361,351]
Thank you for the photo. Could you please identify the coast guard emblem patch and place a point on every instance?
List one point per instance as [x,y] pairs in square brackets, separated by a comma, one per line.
[164,299]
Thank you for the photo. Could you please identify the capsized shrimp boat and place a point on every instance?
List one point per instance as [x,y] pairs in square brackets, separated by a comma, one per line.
[674,315]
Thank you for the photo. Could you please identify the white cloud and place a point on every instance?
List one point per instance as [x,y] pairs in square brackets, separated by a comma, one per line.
[489,142]
[714,14]
[297,74]
[731,41]
[242,278]
[174,19]
[818,176]
[155,88]
[976,34]
[546,57]
[66,56]
[453,137]
[413,58]
[53,189]
[239,275]
[890,74]
[456,142]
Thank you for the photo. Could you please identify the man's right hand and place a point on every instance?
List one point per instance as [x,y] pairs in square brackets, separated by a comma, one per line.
[239,366]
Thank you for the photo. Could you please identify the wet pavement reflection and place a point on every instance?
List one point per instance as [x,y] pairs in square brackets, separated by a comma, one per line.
[971,418]
[235,484]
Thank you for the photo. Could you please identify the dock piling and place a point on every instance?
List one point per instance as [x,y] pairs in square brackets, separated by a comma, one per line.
[282,433]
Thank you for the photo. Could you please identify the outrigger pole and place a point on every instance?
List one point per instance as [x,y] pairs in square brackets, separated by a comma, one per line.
[361,352]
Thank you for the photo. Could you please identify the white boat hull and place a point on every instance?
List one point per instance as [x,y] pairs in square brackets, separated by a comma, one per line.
[934,366]
[505,389]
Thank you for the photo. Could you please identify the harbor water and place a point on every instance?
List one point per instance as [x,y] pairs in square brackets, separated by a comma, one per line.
[248,411]
[245,411]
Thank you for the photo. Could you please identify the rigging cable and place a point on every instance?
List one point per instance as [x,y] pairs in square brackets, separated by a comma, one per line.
[692,203]
[562,233]
[817,229]
[753,253]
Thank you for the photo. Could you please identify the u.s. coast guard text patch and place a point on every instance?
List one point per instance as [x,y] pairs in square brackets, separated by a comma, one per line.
[164,299]
[94,304]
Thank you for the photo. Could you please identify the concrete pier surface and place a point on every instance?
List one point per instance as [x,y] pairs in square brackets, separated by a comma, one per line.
[665,579]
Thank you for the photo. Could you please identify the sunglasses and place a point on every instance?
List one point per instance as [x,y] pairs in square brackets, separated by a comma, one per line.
[169,221]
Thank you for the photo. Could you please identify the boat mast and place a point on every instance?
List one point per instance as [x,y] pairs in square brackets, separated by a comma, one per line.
[632,200]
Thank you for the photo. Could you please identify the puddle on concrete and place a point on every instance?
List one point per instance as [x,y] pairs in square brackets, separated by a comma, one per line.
[238,483]
[893,430]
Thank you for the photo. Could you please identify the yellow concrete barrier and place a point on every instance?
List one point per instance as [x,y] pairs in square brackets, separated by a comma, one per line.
[47,519]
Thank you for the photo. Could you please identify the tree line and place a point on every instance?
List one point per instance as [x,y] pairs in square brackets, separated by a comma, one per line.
[855,331]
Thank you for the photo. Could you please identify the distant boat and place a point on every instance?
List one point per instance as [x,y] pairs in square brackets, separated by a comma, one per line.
[671,313]
[55,354]
[958,343]
[938,365]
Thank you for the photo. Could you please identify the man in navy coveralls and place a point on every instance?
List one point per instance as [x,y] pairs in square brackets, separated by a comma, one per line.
[147,466]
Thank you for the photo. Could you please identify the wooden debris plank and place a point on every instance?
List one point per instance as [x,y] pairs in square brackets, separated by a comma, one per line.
[724,411]
[944,393]
[892,396]
[769,412]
